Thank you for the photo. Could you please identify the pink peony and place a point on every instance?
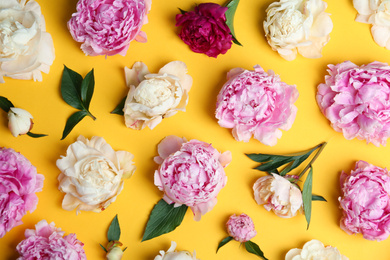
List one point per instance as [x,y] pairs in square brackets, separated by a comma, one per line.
[106,27]
[49,242]
[241,228]
[19,182]
[253,102]
[205,29]
[366,201]
[190,173]
[356,100]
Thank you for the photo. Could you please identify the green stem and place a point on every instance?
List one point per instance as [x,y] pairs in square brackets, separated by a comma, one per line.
[322,145]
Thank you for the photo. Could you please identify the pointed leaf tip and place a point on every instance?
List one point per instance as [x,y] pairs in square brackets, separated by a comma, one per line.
[114,231]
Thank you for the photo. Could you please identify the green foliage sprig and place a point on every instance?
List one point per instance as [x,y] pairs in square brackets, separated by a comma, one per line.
[232,7]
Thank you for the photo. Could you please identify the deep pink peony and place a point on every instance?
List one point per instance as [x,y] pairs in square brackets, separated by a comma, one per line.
[204,30]
[366,201]
[241,228]
[19,182]
[49,242]
[253,102]
[356,100]
[106,27]
[190,173]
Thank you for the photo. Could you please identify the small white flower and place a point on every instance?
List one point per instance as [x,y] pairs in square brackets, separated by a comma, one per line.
[115,253]
[19,121]
[171,254]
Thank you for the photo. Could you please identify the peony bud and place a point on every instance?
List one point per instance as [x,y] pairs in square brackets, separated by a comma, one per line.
[115,253]
[20,121]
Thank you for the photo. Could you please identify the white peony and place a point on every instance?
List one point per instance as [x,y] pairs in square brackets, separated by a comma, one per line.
[315,250]
[26,49]
[153,97]
[19,121]
[377,13]
[295,26]
[92,174]
[171,254]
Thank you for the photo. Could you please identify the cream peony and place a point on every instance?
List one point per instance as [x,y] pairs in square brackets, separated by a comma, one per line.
[153,97]
[26,49]
[279,195]
[315,250]
[171,254]
[92,174]
[293,26]
[19,121]
[377,13]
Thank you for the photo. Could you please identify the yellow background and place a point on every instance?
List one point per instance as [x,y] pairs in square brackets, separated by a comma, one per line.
[350,40]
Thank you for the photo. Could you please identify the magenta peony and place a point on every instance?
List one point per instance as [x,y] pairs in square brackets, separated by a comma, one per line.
[204,30]
[356,100]
[253,102]
[241,228]
[365,201]
[49,242]
[106,27]
[19,182]
[190,173]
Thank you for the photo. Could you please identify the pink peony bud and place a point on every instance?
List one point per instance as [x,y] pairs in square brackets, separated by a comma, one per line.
[241,228]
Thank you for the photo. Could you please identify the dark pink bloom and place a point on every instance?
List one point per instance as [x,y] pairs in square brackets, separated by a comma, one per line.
[19,182]
[205,29]
[48,242]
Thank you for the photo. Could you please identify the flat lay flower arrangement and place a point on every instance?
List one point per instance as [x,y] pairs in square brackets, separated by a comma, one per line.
[138,129]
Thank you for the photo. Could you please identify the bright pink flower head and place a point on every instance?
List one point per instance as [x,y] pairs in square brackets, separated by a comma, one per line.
[204,30]
[19,182]
[48,242]
[190,173]
[366,201]
[106,27]
[253,102]
[241,228]
[356,100]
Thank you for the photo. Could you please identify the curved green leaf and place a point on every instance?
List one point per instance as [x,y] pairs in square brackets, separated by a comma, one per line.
[119,108]
[163,219]
[71,88]
[232,7]
[318,198]
[307,196]
[5,104]
[114,231]
[224,242]
[35,135]
[73,120]
[87,88]
[253,248]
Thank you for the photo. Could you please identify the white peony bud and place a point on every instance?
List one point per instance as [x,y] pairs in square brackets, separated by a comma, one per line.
[115,253]
[20,121]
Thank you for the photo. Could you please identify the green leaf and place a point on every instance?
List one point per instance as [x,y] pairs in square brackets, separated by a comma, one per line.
[71,88]
[114,231]
[318,198]
[5,104]
[224,242]
[35,135]
[73,120]
[163,219]
[307,196]
[253,248]
[119,108]
[103,248]
[87,88]
[182,11]
[232,7]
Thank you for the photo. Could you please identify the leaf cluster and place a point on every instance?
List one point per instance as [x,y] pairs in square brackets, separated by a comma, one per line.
[250,246]
[283,164]
[77,92]
[114,232]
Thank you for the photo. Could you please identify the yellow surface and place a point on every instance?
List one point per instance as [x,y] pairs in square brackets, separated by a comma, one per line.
[350,40]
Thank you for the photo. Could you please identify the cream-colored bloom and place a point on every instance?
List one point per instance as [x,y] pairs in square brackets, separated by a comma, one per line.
[26,49]
[377,13]
[153,97]
[114,253]
[315,250]
[295,26]
[92,174]
[279,195]
[19,121]
[171,254]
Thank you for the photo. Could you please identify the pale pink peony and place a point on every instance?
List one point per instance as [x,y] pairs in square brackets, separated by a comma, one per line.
[279,195]
[106,27]
[365,201]
[48,242]
[190,173]
[19,182]
[241,227]
[253,102]
[356,100]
